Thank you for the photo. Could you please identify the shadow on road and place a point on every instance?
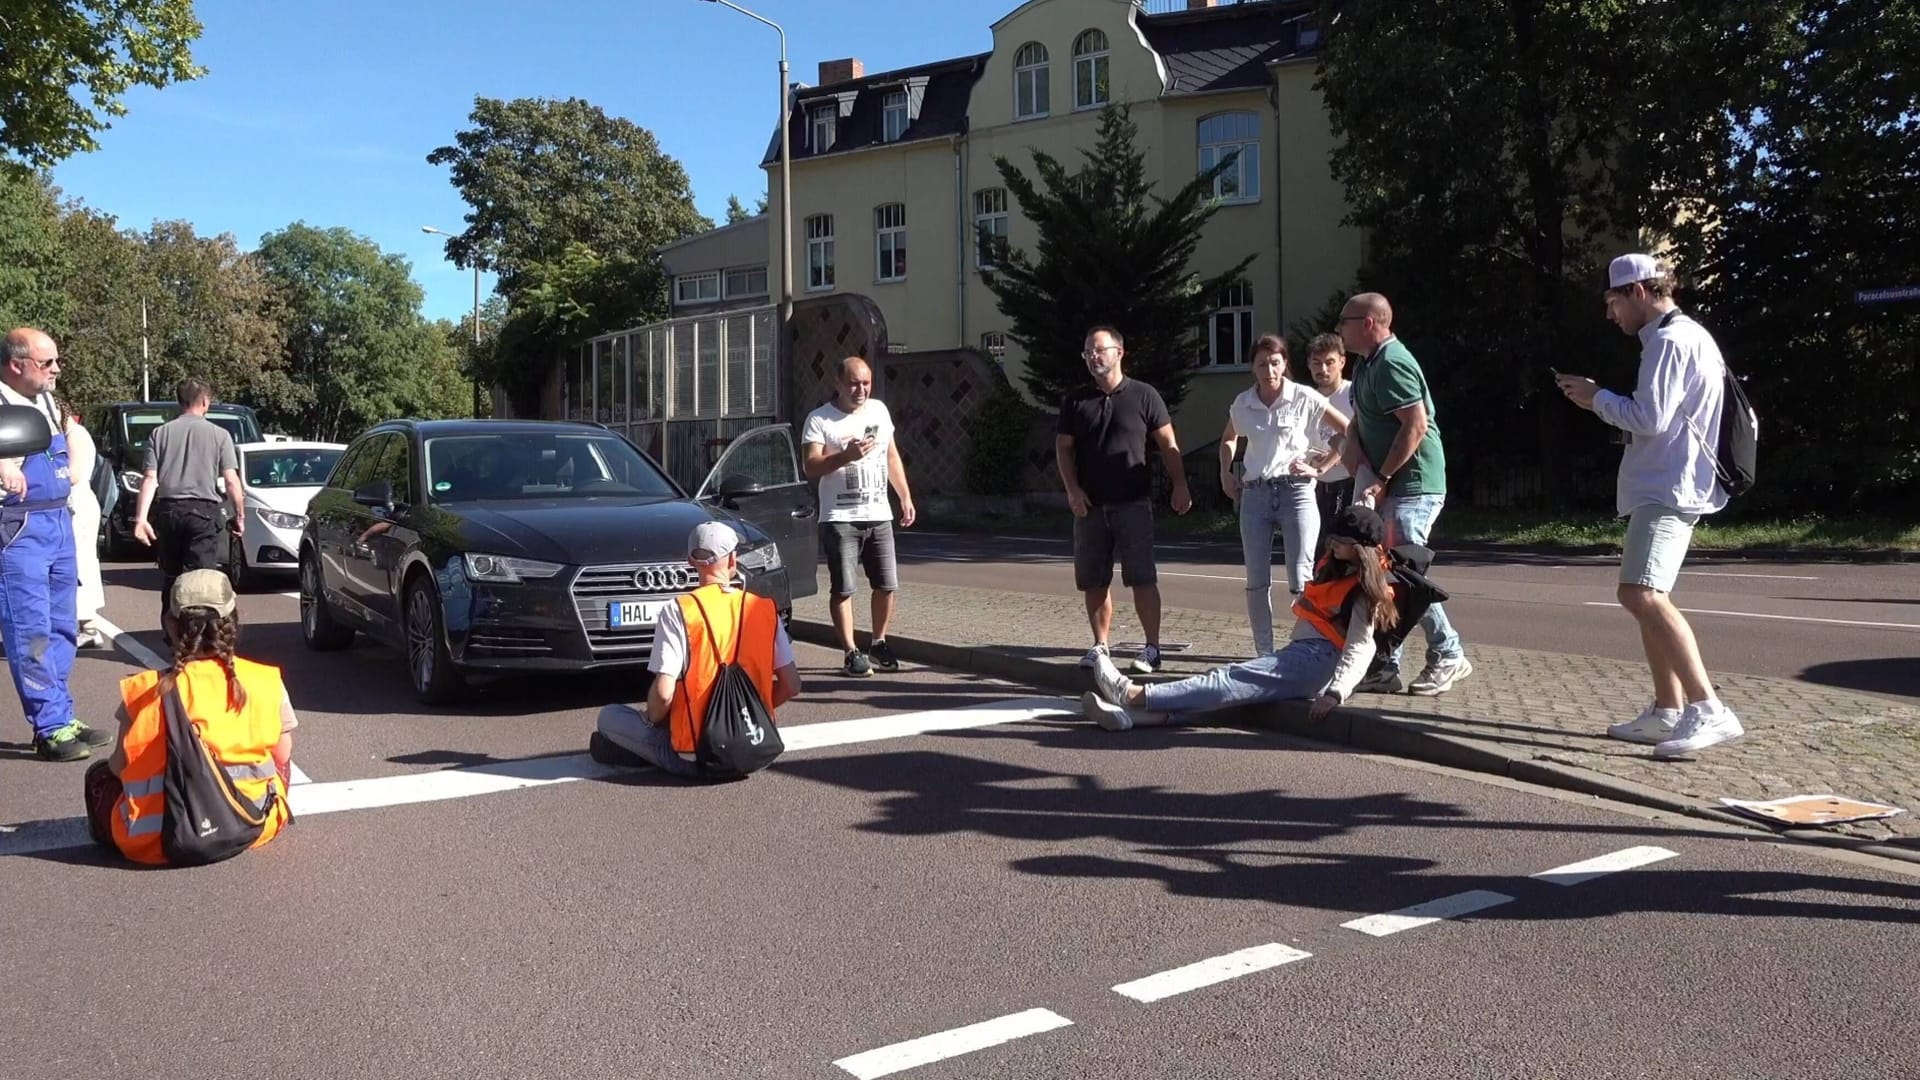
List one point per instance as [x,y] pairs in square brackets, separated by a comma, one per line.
[1898,675]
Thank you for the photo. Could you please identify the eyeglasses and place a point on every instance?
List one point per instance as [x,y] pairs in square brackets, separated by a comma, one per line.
[1092,354]
[44,364]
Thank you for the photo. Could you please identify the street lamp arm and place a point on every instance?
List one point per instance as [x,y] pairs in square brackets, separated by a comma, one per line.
[758,18]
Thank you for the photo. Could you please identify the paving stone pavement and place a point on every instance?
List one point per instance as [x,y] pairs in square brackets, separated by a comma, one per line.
[1537,716]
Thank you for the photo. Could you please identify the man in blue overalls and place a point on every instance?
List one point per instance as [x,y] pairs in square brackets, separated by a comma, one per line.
[39,577]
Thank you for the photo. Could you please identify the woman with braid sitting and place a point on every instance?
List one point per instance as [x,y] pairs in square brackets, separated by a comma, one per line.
[239,708]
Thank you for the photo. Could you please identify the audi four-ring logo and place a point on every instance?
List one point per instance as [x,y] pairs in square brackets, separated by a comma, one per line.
[662,578]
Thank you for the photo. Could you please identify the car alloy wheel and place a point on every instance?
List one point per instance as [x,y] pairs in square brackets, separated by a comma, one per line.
[310,597]
[422,638]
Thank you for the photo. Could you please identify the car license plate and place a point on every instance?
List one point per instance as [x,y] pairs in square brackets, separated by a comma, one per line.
[631,613]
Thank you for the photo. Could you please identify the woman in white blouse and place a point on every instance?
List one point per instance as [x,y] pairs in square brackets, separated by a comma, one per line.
[81,455]
[1280,419]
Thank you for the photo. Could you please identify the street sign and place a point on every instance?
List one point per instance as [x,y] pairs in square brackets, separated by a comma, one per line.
[1888,295]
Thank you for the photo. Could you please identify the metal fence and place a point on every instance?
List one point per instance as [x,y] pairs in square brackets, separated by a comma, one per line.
[680,389]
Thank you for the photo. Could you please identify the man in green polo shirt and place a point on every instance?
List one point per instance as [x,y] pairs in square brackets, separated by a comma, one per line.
[1400,469]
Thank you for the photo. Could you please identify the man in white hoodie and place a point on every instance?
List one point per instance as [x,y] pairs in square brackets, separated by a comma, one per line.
[1666,484]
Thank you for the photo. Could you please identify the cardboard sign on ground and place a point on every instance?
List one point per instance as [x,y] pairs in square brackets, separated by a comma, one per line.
[1813,809]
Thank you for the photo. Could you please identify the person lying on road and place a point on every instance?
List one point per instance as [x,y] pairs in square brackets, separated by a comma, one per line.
[1350,597]
[241,711]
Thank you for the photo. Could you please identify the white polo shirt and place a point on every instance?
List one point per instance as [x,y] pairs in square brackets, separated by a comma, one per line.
[1278,434]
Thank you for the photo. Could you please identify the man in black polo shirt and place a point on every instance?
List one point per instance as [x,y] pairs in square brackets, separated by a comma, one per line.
[1100,446]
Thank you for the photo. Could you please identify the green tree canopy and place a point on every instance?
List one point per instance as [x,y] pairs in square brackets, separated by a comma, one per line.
[1110,251]
[736,212]
[357,349]
[31,268]
[66,64]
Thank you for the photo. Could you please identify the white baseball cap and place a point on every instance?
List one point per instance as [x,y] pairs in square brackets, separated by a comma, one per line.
[712,539]
[1628,269]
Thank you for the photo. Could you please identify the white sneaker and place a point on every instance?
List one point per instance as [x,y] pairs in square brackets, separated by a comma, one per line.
[1440,676]
[1653,725]
[1093,656]
[1110,684]
[1708,723]
[1104,712]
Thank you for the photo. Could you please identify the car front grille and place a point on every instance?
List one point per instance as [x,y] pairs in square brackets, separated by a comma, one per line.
[506,641]
[595,587]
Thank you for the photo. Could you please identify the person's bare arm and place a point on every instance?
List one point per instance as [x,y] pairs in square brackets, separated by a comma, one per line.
[143,529]
[1163,437]
[816,462]
[660,699]
[1413,428]
[1229,483]
[897,476]
[238,498]
[1069,475]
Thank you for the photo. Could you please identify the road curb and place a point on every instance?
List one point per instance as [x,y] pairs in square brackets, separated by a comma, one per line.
[1364,729]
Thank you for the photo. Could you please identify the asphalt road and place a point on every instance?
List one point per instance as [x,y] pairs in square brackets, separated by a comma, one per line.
[1849,625]
[1053,894]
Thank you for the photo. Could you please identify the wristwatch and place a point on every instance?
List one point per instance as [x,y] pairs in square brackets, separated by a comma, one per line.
[1385,481]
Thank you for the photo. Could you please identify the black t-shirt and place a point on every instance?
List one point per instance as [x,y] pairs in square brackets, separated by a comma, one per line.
[1110,437]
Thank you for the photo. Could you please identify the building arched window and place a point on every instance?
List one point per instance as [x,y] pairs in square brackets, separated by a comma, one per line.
[1030,83]
[1235,134]
[1089,70]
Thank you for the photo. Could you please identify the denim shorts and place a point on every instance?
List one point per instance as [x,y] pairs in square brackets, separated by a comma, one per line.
[1116,529]
[859,545]
[1657,539]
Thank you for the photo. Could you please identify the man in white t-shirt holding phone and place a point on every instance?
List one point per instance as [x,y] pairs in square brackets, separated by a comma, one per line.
[849,450]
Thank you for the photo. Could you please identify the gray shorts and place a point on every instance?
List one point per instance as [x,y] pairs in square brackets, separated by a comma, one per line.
[1657,539]
[1123,529]
[868,544]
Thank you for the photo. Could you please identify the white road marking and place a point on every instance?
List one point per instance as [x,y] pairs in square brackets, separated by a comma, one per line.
[1768,577]
[1601,866]
[946,1044]
[1780,618]
[1447,907]
[1212,970]
[297,775]
[127,643]
[1209,577]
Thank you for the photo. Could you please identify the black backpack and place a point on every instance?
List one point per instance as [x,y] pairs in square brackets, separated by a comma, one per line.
[207,818]
[738,736]
[1413,594]
[1739,450]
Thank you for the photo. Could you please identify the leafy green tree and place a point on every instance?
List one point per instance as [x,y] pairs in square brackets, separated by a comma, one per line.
[31,268]
[573,298]
[1109,251]
[65,65]
[103,286]
[736,212]
[357,349]
[212,312]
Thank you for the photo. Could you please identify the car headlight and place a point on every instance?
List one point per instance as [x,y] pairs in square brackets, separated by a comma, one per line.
[130,481]
[764,559]
[502,568]
[280,520]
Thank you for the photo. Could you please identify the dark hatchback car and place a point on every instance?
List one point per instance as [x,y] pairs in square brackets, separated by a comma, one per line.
[489,547]
[120,431]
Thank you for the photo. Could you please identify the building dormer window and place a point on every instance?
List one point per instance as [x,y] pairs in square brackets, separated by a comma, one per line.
[894,117]
[826,120]
[1090,70]
[1030,89]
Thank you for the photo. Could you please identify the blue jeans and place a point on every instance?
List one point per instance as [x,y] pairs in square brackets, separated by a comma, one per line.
[1409,521]
[1292,509]
[1300,670]
[627,728]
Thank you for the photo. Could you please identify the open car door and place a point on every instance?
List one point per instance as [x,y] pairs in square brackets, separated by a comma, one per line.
[758,477]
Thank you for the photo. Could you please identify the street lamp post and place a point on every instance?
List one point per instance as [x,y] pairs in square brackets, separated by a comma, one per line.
[786,178]
[476,315]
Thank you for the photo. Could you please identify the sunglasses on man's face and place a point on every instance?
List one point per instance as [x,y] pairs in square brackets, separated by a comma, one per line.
[43,365]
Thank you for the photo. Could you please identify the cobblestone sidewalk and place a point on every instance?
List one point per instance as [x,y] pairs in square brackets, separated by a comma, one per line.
[1535,716]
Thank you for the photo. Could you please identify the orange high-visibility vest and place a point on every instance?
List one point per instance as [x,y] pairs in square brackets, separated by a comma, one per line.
[709,646]
[1328,605]
[241,741]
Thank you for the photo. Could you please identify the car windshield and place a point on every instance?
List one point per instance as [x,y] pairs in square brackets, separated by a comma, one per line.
[141,422]
[539,465]
[289,468]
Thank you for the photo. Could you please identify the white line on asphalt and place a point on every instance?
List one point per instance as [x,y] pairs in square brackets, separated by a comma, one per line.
[1779,618]
[1209,577]
[1447,907]
[1212,970]
[1601,866]
[132,647]
[1768,577]
[946,1044]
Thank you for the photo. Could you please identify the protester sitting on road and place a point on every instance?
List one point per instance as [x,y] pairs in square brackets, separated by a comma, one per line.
[1349,598]
[240,708]
[688,651]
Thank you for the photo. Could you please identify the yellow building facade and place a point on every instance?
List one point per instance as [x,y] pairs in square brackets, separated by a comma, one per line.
[894,174]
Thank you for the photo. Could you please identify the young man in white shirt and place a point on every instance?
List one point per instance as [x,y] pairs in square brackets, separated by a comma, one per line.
[1327,366]
[849,450]
[1666,483]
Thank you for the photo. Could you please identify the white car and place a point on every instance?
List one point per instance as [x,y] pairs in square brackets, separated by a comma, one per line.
[279,478]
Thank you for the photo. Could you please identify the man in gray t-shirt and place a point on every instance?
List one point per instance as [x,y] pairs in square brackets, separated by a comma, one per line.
[185,457]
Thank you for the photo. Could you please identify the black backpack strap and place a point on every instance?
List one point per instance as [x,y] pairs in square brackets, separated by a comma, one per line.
[738,625]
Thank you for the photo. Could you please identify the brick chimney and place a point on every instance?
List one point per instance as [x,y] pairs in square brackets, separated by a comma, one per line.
[1196,5]
[839,71]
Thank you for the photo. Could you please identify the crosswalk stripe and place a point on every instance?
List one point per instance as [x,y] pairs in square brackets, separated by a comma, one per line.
[940,1046]
[1602,865]
[1216,969]
[1433,911]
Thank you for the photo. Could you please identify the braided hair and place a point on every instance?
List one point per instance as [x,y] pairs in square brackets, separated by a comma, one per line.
[204,634]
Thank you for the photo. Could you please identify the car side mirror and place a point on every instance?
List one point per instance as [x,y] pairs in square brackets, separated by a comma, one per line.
[378,494]
[735,485]
[23,430]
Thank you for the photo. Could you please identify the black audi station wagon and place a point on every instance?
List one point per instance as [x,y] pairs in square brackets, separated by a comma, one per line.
[489,547]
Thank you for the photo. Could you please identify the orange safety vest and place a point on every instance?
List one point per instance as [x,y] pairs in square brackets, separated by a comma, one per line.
[1328,605]
[242,742]
[709,646]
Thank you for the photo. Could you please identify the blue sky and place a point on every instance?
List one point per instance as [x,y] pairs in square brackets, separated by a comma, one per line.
[325,112]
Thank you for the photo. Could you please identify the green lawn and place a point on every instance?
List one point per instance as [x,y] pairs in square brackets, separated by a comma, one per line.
[1530,530]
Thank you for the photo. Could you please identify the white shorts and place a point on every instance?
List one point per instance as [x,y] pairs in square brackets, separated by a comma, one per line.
[1657,539]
